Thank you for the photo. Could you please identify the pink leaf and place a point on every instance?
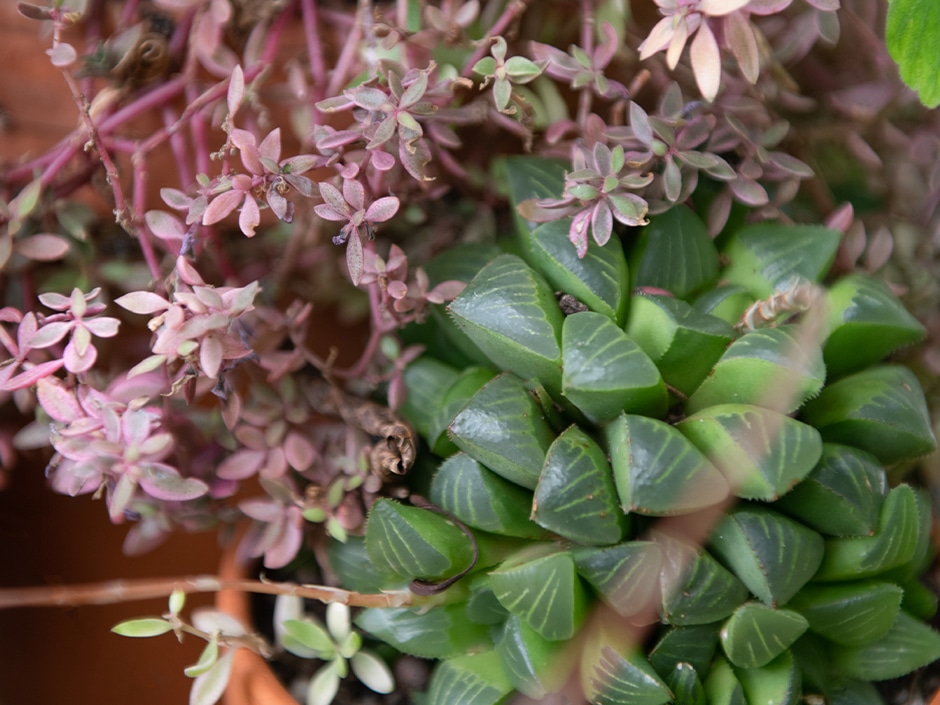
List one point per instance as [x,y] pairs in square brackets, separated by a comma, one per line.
[62,54]
[740,39]
[248,147]
[210,356]
[354,257]
[236,90]
[164,225]
[188,273]
[659,38]
[381,160]
[445,291]
[221,206]
[43,247]
[56,400]
[716,8]
[397,289]
[104,327]
[354,193]
[706,62]
[55,301]
[32,375]
[841,218]
[382,209]
[76,362]
[333,198]
[270,147]
[249,217]
[49,334]
[121,497]
[164,482]
[299,451]
[142,302]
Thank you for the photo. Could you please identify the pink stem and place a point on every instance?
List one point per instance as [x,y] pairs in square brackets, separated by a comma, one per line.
[311,21]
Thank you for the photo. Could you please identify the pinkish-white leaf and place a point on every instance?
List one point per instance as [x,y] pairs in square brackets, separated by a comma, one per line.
[31,376]
[148,364]
[164,225]
[164,482]
[270,147]
[749,192]
[288,543]
[382,160]
[841,218]
[739,36]
[62,55]
[354,193]
[264,510]
[445,291]
[397,289]
[679,37]
[157,446]
[135,426]
[250,216]
[142,302]
[175,199]
[57,401]
[49,334]
[210,356]
[236,90]
[103,327]
[706,62]
[879,249]
[327,212]
[792,165]
[354,256]
[368,98]
[220,206]
[382,209]
[332,198]
[188,273]
[658,39]
[77,361]
[55,301]
[121,497]
[43,247]
[717,8]
[241,465]
[602,223]
[768,7]
[277,203]
[248,148]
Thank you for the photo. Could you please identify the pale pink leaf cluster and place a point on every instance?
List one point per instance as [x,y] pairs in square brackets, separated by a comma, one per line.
[79,319]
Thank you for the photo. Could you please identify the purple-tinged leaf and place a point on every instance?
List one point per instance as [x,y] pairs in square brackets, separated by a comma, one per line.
[327,212]
[300,164]
[791,165]
[135,426]
[33,12]
[333,139]
[241,465]
[382,160]
[749,192]
[740,39]
[354,256]
[29,377]
[415,91]
[879,249]
[577,233]
[841,218]
[55,301]
[221,206]
[277,203]
[602,223]
[209,687]
[263,510]
[383,133]
[103,327]
[120,498]
[142,302]
[415,159]
[49,334]
[628,208]
[299,451]
[236,90]
[639,122]
[175,199]
[157,445]
[302,184]
[334,199]
[672,179]
[382,209]
[334,104]
[825,5]
[164,482]
[355,194]
[43,247]
[370,99]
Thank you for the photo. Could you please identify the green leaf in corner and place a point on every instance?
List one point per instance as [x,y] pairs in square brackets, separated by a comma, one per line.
[473,679]
[777,683]
[532,177]
[912,33]
[908,645]
[535,665]
[509,311]
[614,673]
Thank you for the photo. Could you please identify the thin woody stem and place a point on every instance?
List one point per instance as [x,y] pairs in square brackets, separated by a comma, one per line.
[117,591]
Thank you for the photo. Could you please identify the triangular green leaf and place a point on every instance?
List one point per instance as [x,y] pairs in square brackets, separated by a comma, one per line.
[472,679]
[853,614]
[756,634]
[907,646]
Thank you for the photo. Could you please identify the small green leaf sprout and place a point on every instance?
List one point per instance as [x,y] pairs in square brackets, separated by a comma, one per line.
[335,643]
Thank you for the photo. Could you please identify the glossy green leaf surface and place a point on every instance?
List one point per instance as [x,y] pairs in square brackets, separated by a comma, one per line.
[894,543]
[599,280]
[881,410]
[532,177]
[675,252]
[415,543]
[482,606]
[842,496]
[766,255]
[908,645]
[482,499]
[510,312]
[545,592]
[605,373]
[750,540]
[769,367]
[657,470]
[757,634]
[503,428]
[866,322]
[694,645]
[727,302]
[761,453]
[682,342]
[686,686]
[722,686]
[575,496]
[471,679]
[777,683]
[625,575]
[615,676]
[454,398]
[442,632]
[534,665]
[855,692]
[911,34]
[427,381]
[696,588]
[853,613]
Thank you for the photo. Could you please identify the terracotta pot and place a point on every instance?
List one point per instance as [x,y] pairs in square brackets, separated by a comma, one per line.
[252,681]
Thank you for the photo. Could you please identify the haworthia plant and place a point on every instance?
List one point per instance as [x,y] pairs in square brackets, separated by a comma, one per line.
[657,496]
